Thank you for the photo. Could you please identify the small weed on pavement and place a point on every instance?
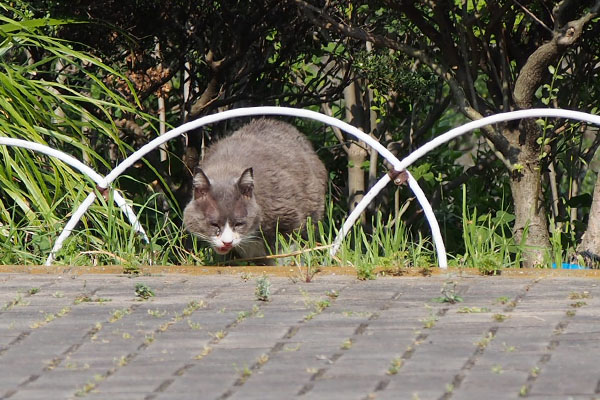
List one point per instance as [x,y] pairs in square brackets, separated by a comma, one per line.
[143,291]
[263,289]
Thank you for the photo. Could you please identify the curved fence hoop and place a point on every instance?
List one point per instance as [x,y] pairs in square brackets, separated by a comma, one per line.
[104,182]
[68,159]
[244,112]
[446,137]
[86,170]
[283,111]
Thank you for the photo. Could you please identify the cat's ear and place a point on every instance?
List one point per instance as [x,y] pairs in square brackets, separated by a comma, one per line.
[246,183]
[201,184]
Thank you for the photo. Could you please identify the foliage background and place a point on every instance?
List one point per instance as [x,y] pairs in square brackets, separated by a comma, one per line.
[100,79]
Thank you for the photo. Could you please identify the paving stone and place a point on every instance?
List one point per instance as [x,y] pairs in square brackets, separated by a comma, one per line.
[408,385]
[491,383]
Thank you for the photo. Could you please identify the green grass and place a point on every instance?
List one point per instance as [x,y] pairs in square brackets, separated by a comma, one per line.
[387,250]
[489,245]
[105,237]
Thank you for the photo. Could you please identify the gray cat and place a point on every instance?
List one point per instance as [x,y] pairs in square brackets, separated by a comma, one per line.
[263,179]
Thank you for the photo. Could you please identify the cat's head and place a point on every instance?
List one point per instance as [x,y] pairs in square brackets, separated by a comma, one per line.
[223,213]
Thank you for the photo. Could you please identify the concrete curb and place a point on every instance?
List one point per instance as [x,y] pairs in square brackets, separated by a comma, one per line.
[280,271]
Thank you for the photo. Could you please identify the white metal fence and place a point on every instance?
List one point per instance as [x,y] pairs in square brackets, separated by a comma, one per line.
[104,182]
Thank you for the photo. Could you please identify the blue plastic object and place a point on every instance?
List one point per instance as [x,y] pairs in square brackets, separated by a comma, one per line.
[570,266]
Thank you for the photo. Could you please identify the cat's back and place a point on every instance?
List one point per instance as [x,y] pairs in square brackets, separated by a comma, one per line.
[262,136]
[272,148]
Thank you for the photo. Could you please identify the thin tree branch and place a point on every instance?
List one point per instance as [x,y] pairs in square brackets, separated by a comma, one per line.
[533,16]
[336,131]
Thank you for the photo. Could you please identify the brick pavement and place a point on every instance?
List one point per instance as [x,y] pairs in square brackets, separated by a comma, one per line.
[207,337]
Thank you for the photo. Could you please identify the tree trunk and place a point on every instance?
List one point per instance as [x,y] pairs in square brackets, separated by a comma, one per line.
[162,116]
[373,154]
[590,241]
[357,154]
[531,227]
[531,224]
[162,110]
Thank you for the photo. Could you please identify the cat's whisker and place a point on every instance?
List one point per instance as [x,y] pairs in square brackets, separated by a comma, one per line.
[252,238]
[247,243]
[202,237]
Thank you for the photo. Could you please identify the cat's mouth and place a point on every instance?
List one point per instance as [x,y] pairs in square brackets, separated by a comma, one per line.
[223,249]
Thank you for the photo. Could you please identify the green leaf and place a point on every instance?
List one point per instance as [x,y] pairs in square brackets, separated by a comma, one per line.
[14,26]
[503,218]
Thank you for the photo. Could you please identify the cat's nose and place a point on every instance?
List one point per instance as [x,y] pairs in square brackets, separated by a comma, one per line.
[227,243]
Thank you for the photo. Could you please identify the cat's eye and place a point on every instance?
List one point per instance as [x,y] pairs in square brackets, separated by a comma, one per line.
[217,228]
[239,224]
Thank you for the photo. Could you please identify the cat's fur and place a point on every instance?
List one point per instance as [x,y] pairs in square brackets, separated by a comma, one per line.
[264,178]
